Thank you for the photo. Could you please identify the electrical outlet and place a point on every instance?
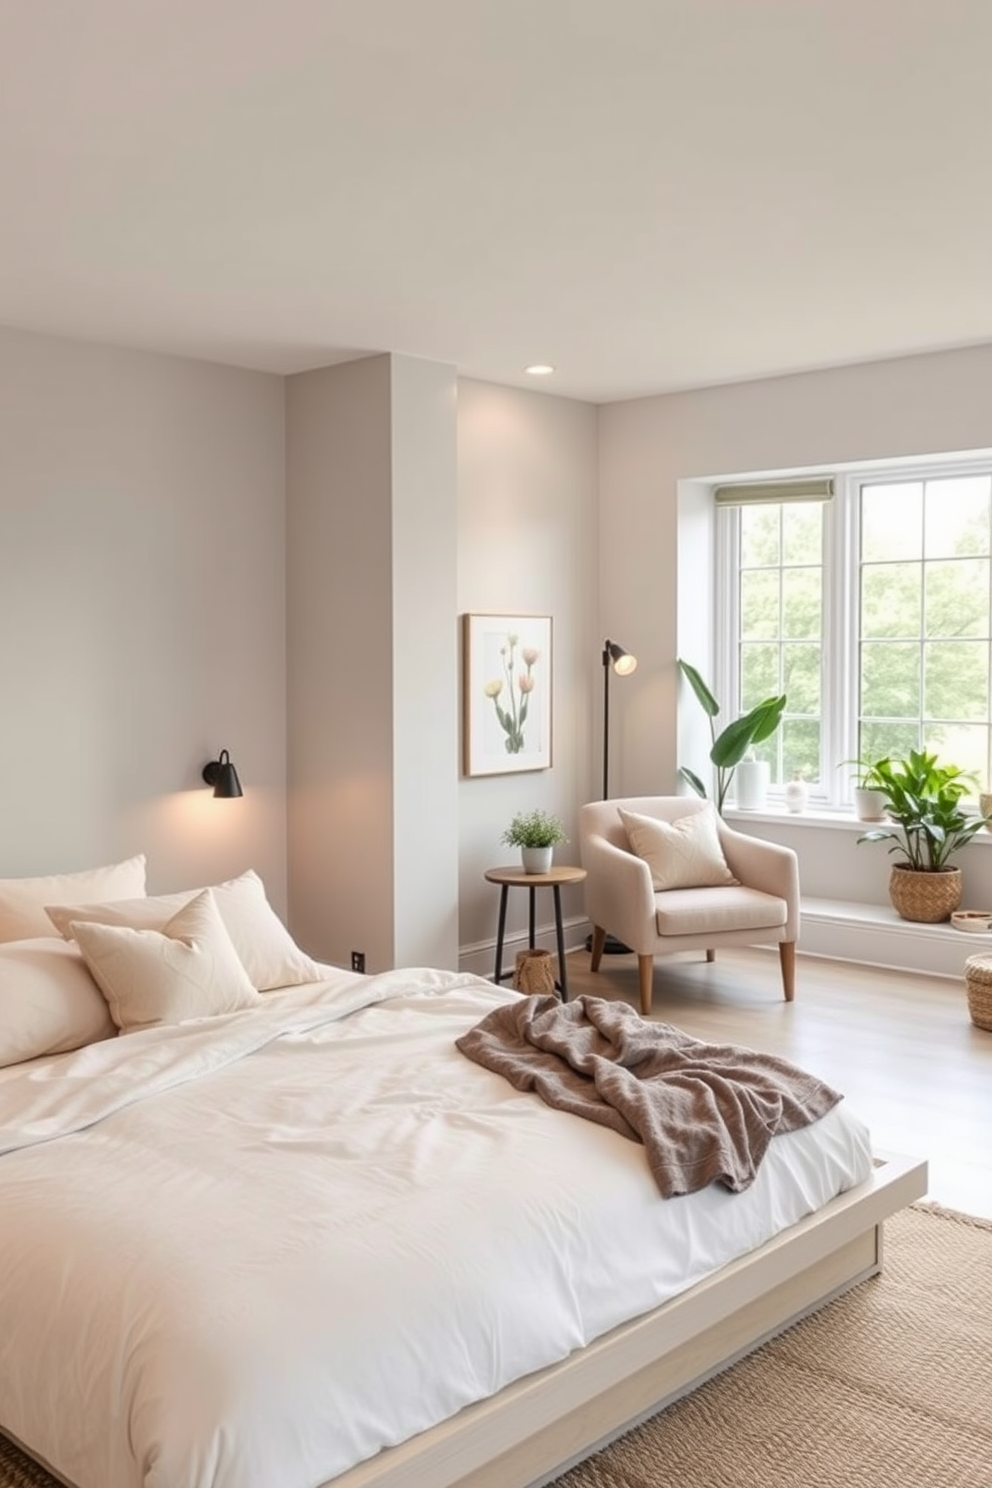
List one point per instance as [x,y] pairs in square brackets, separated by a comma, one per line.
[358,960]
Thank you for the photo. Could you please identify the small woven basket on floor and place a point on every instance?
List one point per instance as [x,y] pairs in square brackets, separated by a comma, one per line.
[534,972]
[925,897]
[978,981]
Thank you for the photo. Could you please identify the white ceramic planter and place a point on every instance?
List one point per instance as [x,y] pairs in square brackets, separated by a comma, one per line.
[751,783]
[537,859]
[869,805]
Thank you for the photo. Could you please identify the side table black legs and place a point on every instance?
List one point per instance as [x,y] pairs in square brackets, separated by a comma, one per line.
[508,878]
[562,982]
[501,927]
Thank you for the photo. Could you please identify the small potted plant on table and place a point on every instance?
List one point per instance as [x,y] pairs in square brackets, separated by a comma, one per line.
[536,833]
[927,828]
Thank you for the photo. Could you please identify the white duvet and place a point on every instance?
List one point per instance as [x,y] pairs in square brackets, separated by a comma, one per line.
[255,1250]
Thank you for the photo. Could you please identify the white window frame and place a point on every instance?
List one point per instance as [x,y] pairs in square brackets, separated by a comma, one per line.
[841,569]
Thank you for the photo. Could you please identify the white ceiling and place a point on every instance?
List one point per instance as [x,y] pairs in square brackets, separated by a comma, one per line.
[651,194]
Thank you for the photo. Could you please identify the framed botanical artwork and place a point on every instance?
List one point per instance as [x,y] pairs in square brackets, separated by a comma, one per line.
[506,693]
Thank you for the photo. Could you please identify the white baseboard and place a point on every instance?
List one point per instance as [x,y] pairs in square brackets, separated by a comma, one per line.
[837,929]
[481,958]
[875,934]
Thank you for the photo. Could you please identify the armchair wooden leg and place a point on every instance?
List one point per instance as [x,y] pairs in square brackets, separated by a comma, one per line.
[787,956]
[711,955]
[645,978]
[598,942]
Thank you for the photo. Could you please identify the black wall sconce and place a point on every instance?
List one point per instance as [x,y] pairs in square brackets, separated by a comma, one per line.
[221,774]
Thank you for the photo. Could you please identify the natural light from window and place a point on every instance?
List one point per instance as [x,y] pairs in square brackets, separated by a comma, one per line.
[872,612]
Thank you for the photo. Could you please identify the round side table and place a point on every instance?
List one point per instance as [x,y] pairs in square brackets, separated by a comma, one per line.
[516,878]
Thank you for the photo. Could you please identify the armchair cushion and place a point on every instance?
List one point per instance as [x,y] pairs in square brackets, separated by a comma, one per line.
[714,910]
[681,854]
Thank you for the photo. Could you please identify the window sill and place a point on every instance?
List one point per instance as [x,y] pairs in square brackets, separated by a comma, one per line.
[837,821]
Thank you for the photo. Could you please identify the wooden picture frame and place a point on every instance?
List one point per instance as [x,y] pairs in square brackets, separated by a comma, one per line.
[507,680]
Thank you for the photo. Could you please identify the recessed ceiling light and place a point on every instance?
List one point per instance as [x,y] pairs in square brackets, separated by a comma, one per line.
[539,369]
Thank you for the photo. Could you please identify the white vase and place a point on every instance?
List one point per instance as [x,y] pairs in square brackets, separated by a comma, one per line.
[752,781]
[796,793]
[985,807]
[537,859]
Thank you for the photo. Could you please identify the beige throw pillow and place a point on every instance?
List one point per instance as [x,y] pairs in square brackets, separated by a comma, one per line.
[189,969]
[267,951]
[683,854]
[23,901]
[49,1003]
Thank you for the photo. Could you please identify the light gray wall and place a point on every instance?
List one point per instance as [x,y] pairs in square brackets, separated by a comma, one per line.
[425,662]
[143,600]
[527,545]
[652,449]
[339,631]
[373,838]
[142,604]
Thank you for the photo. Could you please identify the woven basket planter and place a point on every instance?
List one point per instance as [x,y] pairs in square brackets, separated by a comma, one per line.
[978,981]
[926,897]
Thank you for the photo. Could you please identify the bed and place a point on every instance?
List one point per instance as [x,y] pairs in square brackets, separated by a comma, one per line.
[306,1242]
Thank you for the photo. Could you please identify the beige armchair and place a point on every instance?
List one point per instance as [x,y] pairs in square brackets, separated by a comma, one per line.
[620,895]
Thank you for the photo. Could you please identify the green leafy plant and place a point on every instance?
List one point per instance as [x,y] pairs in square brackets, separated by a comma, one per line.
[923,802]
[534,829]
[731,745]
[865,774]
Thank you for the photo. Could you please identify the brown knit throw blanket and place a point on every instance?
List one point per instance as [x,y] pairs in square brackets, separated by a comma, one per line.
[704,1112]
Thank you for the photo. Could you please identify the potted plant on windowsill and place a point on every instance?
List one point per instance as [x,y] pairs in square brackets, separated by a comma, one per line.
[870,799]
[733,746]
[927,828]
[536,833]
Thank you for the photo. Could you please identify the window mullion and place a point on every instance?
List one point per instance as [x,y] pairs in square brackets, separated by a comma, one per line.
[842,557]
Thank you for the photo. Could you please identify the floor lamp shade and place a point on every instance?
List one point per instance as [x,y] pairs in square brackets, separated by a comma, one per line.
[615,659]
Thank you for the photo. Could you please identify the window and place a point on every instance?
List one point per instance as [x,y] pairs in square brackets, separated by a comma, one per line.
[871,611]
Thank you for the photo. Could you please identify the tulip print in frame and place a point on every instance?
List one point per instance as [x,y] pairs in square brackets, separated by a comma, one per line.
[507,693]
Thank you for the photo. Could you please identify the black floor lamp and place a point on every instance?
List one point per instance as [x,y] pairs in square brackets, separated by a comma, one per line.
[615,659]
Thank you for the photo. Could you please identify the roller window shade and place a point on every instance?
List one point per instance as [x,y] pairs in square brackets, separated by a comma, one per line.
[818,488]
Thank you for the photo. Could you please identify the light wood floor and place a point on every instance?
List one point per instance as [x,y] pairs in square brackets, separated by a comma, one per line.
[899,1045]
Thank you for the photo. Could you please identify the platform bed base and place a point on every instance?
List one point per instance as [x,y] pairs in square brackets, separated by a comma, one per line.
[539,1427]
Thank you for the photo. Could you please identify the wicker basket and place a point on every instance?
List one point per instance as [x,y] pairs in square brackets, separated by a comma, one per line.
[534,972]
[926,897]
[978,980]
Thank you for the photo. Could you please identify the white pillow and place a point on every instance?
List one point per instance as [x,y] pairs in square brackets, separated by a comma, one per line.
[23,900]
[49,1003]
[188,969]
[683,854]
[267,951]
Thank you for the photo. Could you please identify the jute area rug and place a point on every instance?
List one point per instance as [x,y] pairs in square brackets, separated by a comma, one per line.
[888,1387]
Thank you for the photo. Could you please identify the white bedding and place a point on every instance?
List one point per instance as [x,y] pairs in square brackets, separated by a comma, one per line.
[252,1251]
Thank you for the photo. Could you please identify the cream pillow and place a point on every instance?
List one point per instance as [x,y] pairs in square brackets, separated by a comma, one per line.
[49,1003]
[267,951]
[188,969]
[23,900]
[683,854]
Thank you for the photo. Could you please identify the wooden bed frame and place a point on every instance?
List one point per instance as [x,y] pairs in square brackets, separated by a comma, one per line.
[541,1426]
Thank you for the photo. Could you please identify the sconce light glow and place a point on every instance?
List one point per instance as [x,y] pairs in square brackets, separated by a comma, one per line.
[539,369]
